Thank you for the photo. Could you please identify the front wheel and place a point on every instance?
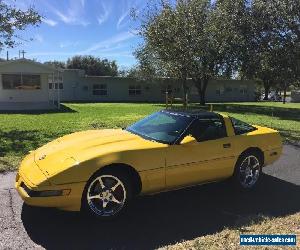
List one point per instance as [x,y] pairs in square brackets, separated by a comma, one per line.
[106,195]
[248,171]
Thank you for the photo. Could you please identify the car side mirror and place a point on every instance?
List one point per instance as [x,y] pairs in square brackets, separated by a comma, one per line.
[190,140]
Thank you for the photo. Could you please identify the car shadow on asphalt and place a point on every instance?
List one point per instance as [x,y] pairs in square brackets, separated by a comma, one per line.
[162,219]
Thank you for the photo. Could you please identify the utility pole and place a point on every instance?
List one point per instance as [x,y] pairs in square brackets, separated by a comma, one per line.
[23,53]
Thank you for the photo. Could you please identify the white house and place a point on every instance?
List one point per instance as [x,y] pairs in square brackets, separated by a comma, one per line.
[24,85]
[80,87]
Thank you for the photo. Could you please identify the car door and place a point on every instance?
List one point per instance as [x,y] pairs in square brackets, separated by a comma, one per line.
[209,157]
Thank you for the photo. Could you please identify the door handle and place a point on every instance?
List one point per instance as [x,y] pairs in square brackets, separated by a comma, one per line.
[226,145]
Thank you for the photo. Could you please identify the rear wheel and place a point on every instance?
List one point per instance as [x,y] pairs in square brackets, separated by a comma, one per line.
[106,194]
[248,171]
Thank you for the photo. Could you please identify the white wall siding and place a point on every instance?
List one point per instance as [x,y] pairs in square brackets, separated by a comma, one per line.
[20,99]
[80,88]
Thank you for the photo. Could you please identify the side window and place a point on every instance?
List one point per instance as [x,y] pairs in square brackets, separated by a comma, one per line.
[134,90]
[241,127]
[100,89]
[208,129]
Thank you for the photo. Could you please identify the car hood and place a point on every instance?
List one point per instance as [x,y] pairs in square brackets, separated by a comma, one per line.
[67,151]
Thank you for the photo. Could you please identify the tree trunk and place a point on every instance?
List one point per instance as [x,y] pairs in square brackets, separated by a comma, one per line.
[267,90]
[284,93]
[202,98]
[185,90]
[201,85]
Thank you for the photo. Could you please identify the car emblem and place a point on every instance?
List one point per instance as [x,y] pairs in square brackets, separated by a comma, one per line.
[42,157]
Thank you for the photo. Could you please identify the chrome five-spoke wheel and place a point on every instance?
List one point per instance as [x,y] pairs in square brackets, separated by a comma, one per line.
[248,170]
[106,195]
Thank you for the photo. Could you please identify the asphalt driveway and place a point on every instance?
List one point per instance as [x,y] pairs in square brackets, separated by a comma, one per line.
[152,221]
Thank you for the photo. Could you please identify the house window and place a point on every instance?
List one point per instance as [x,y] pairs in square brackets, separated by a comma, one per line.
[220,90]
[243,89]
[228,89]
[134,90]
[21,81]
[99,89]
[59,85]
[56,85]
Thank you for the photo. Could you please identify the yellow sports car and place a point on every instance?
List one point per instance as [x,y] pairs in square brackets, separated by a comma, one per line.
[99,171]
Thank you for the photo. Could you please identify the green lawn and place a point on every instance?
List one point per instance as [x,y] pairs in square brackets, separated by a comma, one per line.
[20,133]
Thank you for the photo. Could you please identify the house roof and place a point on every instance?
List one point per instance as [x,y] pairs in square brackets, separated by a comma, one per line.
[28,61]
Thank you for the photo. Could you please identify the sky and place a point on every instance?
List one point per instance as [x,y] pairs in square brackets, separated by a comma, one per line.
[101,28]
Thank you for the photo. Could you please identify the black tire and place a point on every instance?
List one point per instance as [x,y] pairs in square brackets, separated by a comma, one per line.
[109,177]
[239,178]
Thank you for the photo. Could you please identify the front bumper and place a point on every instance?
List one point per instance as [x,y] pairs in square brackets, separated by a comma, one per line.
[70,200]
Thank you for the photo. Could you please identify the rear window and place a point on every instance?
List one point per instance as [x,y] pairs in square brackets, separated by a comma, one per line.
[241,127]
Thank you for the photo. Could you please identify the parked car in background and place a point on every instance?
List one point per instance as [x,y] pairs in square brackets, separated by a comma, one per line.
[272,96]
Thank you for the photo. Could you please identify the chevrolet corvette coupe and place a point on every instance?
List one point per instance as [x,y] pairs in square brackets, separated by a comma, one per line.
[100,171]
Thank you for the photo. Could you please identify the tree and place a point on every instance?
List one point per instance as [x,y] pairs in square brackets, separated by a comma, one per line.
[13,19]
[264,64]
[232,26]
[244,31]
[181,41]
[204,59]
[93,65]
[218,37]
[287,15]
[150,65]
[202,39]
[162,47]
[266,70]
[133,72]
[56,64]
[273,43]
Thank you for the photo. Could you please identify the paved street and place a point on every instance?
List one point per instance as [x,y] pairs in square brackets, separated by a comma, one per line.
[152,221]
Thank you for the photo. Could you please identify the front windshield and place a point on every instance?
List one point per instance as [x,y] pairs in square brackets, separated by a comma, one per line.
[162,126]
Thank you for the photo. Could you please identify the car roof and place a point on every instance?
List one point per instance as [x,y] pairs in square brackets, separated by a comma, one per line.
[195,113]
